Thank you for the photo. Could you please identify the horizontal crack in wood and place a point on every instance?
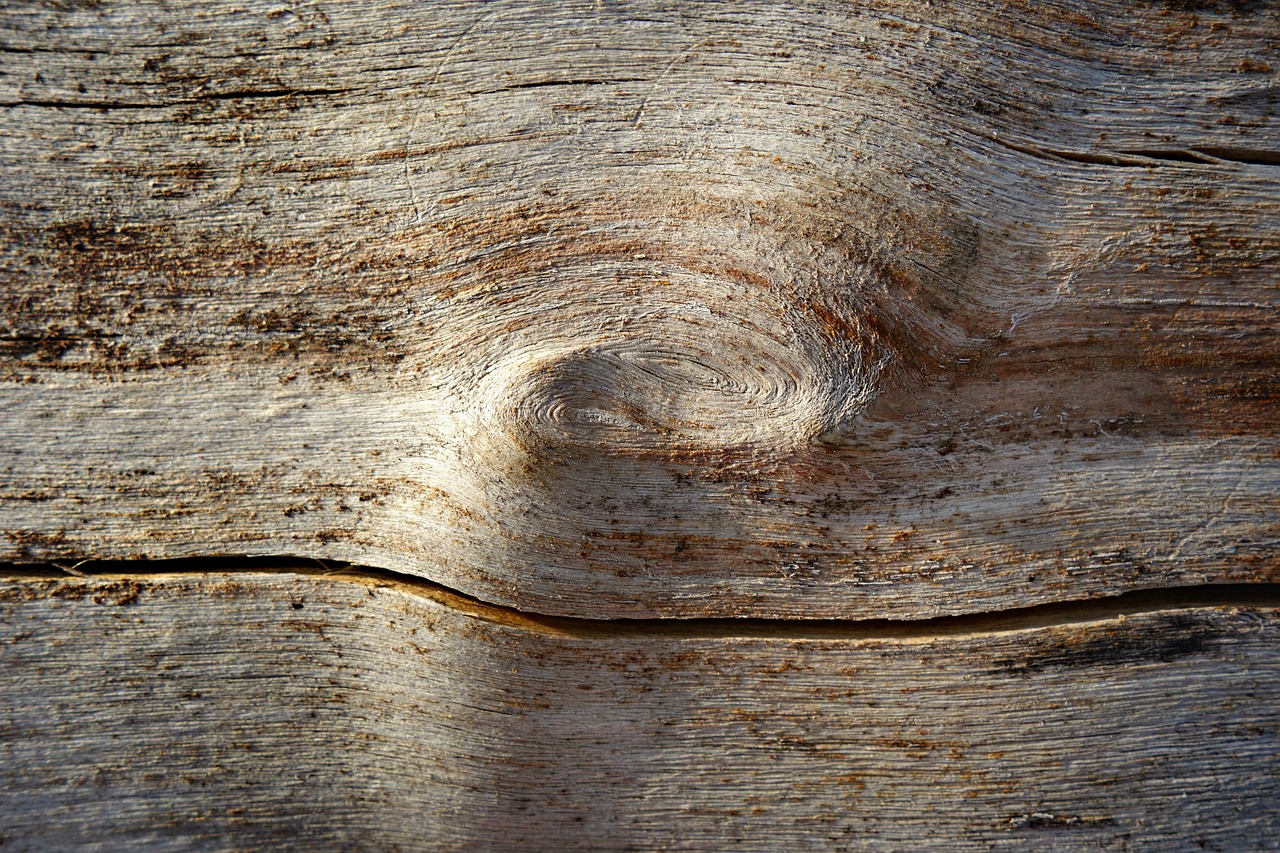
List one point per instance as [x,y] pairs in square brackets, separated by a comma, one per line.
[1148,158]
[234,95]
[1119,607]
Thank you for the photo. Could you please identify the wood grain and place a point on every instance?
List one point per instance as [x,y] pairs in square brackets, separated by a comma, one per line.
[634,309]
[296,711]
[856,312]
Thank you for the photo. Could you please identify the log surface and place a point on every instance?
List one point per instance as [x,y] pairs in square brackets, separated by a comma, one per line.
[611,309]
[316,712]
[606,312]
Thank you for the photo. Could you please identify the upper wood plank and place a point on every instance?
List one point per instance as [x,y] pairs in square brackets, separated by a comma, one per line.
[623,309]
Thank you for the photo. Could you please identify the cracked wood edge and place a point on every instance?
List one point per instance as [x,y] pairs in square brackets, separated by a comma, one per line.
[649,309]
[352,711]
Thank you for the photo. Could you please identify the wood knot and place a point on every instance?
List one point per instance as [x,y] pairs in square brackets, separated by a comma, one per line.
[706,383]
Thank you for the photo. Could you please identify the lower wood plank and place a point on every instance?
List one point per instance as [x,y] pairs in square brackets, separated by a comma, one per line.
[254,711]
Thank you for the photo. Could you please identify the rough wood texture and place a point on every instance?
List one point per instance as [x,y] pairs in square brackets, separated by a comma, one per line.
[324,713]
[614,309]
[640,308]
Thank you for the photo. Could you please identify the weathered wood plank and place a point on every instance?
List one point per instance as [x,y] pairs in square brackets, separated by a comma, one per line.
[647,308]
[242,711]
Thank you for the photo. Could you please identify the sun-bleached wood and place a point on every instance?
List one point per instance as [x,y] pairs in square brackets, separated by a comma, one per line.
[642,308]
[327,713]
[602,309]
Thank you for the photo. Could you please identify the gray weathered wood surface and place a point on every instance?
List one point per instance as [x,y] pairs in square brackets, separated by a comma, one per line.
[311,712]
[620,310]
[627,309]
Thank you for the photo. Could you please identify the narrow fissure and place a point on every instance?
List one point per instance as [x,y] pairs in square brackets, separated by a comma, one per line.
[1243,155]
[1148,158]
[552,84]
[235,95]
[1243,595]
